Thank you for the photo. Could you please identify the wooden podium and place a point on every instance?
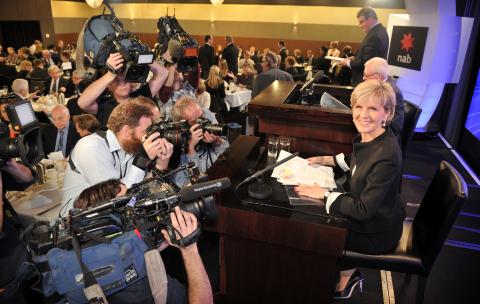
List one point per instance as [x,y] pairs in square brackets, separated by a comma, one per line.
[268,254]
[317,131]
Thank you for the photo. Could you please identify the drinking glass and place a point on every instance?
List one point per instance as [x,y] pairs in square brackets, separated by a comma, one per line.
[285,143]
[272,147]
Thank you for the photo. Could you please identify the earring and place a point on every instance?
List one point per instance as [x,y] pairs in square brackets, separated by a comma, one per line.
[384,124]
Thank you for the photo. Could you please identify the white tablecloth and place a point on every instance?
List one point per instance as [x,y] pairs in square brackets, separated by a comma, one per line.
[240,98]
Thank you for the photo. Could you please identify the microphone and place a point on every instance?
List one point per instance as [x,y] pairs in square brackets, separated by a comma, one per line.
[315,78]
[260,190]
[113,203]
[203,189]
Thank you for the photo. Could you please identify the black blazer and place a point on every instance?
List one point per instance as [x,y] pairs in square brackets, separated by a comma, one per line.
[230,54]
[375,44]
[49,136]
[63,83]
[39,73]
[373,204]
[206,58]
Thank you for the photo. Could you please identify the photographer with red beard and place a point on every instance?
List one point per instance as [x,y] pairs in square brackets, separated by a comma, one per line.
[114,154]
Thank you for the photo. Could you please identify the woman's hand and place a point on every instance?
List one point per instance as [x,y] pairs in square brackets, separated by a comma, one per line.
[321,160]
[314,191]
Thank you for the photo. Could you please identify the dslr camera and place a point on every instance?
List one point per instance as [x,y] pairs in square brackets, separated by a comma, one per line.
[27,145]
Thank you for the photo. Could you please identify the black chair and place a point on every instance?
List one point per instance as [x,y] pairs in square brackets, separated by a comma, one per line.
[36,84]
[423,238]
[410,118]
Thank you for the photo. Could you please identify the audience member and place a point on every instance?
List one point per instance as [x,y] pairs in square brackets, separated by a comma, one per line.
[310,58]
[225,72]
[374,44]
[47,59]
[121,91]
[25,68]
[38,71]
[270,73]
[333,51]
[248,76]
[245,60]
[377,69]
[253,55]
[344,76]
[297,54]
[61,135]
[283,53]
[73,87]
[11,56]
[203,148]
[215,86]
[115,153]
[55,83]
[67,64]
[290,67]
[20,89]
[85,124]
[230,54]
[7,71]
[202,96]
[321,63]
[206,56]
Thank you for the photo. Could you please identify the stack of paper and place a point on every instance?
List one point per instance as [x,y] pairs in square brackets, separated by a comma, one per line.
[297,171]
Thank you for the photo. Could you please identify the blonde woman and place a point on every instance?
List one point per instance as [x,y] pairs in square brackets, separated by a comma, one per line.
[202,96]
[225,73]
[215,86]
[373,205]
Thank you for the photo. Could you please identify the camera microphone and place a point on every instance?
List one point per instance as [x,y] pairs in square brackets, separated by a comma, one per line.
[315,78]
[203,189]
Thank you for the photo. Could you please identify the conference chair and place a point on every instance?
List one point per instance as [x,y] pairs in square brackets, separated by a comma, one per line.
[410,118]
[423,239]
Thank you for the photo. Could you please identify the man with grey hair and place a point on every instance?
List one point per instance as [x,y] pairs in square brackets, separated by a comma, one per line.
[61,134]
[377,68]
[375,43]
[20,88]
[230,54]
[73,87]
[56,83]
[270,73]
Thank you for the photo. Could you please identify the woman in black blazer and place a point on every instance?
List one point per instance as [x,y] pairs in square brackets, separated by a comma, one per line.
[372,205]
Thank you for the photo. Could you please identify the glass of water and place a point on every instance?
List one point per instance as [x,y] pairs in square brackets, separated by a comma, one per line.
[284,143]
[272,147]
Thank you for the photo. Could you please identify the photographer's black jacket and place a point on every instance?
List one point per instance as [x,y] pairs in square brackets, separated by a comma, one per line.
[373,204]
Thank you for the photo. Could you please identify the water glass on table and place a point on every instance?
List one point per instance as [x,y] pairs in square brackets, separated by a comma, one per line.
[272,147]
[284,143]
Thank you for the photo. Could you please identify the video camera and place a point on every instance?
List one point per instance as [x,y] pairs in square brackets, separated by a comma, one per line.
[103,35]
[27,145]
[178,133]
[182,47]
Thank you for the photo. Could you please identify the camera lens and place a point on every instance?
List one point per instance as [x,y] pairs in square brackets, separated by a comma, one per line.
[176,137]
[217,129]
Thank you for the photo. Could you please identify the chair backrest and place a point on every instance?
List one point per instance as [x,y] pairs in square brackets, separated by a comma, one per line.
[36,84]
[437,213]
[410,119]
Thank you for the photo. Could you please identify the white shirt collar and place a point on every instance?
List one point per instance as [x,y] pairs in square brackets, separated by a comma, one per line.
[113,142]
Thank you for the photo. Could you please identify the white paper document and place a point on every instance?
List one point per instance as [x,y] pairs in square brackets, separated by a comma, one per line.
[334,58]
[297,171]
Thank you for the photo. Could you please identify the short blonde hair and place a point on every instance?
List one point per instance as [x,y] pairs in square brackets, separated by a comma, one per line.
[178,110]
[53,68]
[379,90]
[24,64]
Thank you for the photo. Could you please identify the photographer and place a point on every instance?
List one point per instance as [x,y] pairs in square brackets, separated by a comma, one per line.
[91,101]
[113,154]
[203,148]
[13,254]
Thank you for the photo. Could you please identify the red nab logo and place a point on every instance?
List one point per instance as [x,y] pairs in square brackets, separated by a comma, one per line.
[407,42]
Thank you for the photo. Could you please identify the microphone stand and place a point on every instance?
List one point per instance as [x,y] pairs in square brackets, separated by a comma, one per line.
[259,189]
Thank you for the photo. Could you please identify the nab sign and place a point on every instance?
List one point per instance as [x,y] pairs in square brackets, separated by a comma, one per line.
[407,46]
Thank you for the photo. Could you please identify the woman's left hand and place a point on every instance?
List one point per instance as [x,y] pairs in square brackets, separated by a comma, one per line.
[314,191]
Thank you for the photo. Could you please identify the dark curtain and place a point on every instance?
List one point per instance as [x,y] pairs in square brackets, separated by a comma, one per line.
[19,33]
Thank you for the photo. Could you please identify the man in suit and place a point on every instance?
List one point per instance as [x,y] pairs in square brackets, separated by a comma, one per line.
[230,54]
[61,135]
[48,60]
[56,83]
[38,71]
[270,73]
[73,85]
[375,43]
[310,58]
[283,54]
[206,56]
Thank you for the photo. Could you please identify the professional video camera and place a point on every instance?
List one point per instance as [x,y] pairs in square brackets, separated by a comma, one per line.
[103,35]
[27,145]
[178,133]
[182,47]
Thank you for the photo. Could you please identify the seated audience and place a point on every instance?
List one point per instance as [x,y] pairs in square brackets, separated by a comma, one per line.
[25,68]
[38,71]
[225,73]
[65,59]
[48,60]
[203,97]
[290,67]
[344,76]
[333,51]
[215,86]
[85,124]
[11,56]
[245,60]
[7,71]
[297,54]
[322,63]
[55,83]
[20,89]
[270,73]
[373,204]
[310,58]
[61,135]
[73,87]
[248,76]
[203,148]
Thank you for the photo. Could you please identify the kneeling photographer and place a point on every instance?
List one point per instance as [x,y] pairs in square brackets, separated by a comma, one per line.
[114,154]
[207,138]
